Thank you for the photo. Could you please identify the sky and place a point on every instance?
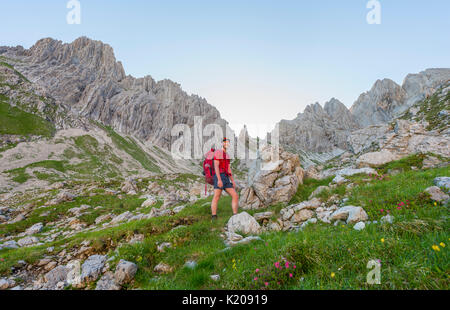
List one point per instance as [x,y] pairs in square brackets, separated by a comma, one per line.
[257,61]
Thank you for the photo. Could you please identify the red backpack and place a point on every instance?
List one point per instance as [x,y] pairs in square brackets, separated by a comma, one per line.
[208,168]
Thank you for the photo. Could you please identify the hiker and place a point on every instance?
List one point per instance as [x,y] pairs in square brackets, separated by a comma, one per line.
[223,179]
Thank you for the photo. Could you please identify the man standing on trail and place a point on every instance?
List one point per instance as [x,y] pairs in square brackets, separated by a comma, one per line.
[223,179]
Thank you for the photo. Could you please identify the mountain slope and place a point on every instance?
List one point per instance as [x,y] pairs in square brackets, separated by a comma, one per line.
[42,142]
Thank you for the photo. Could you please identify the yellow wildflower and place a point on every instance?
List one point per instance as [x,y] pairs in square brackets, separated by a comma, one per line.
[436,248]
[442,244]
[382,240]
[333,274]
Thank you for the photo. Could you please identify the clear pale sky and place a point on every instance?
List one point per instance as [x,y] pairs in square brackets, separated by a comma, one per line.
[257,61]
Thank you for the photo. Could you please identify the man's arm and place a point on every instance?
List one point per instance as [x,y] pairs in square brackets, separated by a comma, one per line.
[217,170]
[230,173]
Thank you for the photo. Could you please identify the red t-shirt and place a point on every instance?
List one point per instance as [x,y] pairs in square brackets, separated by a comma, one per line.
[224,161]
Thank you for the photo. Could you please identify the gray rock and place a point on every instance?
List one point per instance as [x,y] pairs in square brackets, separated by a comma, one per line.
[274,177]
[92,268]
[443,182]
[243,223]
[161,247]
[318,129]
[36,228]
[246,240]
[351,214]
[151,200]
[125,272]
[231,236]
[436,194]
[262,216]
[9,245]
[387,219]
[215,277]
[162,268]
[6,283]
[376,159]
[318,190]
[302,215]
[28,241]
[122,217]
[56,275]
[359,226]
[308,222]
[107,283]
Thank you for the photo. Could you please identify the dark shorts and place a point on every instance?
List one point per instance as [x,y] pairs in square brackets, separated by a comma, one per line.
[225,180]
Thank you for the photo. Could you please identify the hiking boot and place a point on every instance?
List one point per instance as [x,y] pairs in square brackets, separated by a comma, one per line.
[214,218]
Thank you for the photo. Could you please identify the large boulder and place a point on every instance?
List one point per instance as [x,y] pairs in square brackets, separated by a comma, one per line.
[243,223]
[274,177]
[125,272]
[402,139]
[107,283]
[376,159]
[56,275]
[36,228]
[437,194]
[27,241]
[350,214]
[92,268]
[443,182]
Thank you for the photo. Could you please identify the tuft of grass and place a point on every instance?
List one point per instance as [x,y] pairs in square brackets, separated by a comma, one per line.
[404,164]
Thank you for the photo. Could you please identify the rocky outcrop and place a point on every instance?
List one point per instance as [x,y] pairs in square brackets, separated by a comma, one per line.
[243,223]
[318,129]
[388,100]
[274,178]
[437,194]
[404,138]
[323,130]
[443,182]
[378,105]
[376,159]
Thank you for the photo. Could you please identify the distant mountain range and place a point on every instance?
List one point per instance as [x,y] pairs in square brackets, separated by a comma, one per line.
[85,77]
[324,129]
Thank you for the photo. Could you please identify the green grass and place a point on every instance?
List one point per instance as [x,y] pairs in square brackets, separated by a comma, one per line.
[2,63]
[377,195]
[132,148]
[306,189]
[430,108]
[404,164]
[100,160]
[407,258]
[20,175]
[14,121]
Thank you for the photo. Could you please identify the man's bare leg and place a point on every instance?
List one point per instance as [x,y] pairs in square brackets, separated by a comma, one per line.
[215,201]
[234,199]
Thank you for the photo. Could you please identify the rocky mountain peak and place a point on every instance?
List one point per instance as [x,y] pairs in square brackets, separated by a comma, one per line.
[86,76]
[388,100]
